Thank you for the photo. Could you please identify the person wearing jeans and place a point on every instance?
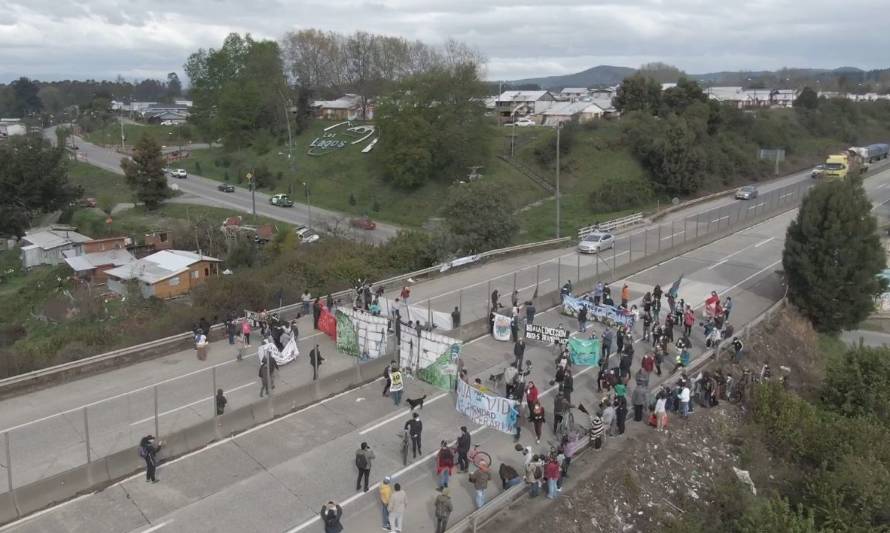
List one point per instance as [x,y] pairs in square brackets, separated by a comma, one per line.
[480,479]
[684,401]
[385,493]
[398,503]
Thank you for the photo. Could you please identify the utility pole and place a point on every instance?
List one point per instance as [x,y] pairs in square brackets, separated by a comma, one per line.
[252,194]
[120,119]
[308,203]
[558,127]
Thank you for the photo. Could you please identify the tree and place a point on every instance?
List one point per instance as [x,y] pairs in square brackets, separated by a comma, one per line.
[174,86]
[25,97]
[145,173]
[858,383]
[683,95]
[661,72]
[477,218]
[833,256]
[34,179]
[638,93]
[807,99]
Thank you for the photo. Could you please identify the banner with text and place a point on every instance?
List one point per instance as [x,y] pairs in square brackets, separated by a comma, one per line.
[585,352]
[486,409]
[360,333]
[432,357]
[501,327]
[609,314]
[537,332]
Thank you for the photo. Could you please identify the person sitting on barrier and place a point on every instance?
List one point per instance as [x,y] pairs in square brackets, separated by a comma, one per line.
[509,476]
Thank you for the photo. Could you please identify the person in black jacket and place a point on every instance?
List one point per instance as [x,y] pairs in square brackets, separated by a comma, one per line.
[148,449]
[519,352]
[330,517]
[267,377]
[315,359]
[463,448]
[415,428]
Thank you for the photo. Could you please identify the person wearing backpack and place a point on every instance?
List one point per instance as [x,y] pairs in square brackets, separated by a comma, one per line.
[444,464]
[330,517]
[148,449]
[534,472]
[363,457]
[443,510]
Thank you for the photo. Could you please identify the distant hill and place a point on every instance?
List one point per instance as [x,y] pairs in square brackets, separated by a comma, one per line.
[600,75]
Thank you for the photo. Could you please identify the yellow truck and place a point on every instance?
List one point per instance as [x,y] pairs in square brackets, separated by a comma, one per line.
[839,166]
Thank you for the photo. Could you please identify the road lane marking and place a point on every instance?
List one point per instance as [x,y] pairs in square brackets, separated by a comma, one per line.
[398,415]
[761,243]
[673,234]
[786,194]
[755,206]
[156,527]
[186,406]
[721,218]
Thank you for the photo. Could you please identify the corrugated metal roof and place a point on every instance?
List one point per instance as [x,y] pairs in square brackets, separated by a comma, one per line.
[90,261]
[159,266]
[522,96]
[48,239]
[572,108]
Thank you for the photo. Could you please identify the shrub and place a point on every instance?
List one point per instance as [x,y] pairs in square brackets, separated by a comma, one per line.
[616,193]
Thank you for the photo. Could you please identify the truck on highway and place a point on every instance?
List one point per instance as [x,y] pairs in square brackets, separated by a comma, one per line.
[852,163]
[876,152]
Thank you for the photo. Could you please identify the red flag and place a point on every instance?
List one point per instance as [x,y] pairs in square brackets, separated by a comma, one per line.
[327,323]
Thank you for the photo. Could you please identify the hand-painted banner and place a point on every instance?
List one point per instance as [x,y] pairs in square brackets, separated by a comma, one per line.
[360,333]
[501,327]
[601,313]
[585,352]
[327,323]
[487,410]
[432,357]
[537,332]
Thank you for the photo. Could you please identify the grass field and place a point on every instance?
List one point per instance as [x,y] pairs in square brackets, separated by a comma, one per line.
[107,187]
[164,135]
[335,176]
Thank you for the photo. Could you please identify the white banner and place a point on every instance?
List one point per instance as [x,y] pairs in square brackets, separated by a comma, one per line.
[421,352]
[485,409]
[368,335]
[441,320]
[501,327]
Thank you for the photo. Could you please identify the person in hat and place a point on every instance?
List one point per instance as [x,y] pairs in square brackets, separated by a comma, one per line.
[384,492]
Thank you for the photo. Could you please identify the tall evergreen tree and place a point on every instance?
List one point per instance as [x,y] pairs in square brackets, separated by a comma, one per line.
[833,255]
[145,173]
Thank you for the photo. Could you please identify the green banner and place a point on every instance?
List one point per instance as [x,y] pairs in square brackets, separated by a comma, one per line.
[585,352]
[347,342]
[442,373]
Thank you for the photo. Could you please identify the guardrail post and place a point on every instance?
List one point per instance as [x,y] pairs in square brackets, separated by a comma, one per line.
[86,433]
[157,425]
[213,390]
[659,237]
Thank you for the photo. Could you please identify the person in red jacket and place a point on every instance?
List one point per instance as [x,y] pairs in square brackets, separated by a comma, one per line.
[551,474]
[538,418]
[688,321]
[444,464]
[648,362]
[531,395]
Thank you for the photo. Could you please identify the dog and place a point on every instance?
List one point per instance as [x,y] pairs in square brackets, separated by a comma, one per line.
[496,379]
[414,403]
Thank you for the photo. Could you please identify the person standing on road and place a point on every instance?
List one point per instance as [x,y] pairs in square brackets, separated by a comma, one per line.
[625,296]
[444,464]
[480,479]
[315,359]
[656,301]
[463,448]
[607,342]
[510,374]
[455,317]
[684,401]
[638,398]
[582,319]
[387,378]
[220,402]
[727,307]
[267,374]
[316,312]
[384,493]
[598,293]
[530,312]
[415,428]
[363,457]
[660,411]
[495,300]
[531,395]
[330,517]
[398,503]
[245,331]
[306,300]
[231,330]
[396,386]
[519,353]
[538,419]
[551,474]
[148,449]
[688,320]
[443,510]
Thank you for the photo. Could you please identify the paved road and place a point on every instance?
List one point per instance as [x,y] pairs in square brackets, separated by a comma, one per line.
[875,339]
[205,191]
[272,478]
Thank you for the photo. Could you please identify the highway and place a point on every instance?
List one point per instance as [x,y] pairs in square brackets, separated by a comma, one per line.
[275,477]
[204,191]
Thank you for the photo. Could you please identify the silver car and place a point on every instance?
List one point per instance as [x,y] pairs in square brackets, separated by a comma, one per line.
[595,242]
[748,192]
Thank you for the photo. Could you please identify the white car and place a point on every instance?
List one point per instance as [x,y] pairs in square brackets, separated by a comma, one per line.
[306,235]
[179,173]
[596,242]
[522,123]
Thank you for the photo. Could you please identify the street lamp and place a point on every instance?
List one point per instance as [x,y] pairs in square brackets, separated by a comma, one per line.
[308,203]
[558,128]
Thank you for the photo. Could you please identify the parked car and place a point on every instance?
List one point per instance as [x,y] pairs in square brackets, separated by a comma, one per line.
[596,242]
[363,223]
[522,122]
[85,202]
[306,235]
[748,192]
[818,171]
[226,187]
[179,173]
[281,200]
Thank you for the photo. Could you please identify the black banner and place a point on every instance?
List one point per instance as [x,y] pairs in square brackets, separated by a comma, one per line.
[546,334]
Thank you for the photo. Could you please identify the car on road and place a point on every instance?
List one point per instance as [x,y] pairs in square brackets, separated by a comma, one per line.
[363,223]
[281,200]
[748,192]
[226,187]
[179,173]
[818,171]
[306,235]
[596,242]
[522,123]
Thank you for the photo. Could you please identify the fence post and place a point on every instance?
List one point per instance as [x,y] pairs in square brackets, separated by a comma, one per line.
[429,311]
[579,267]
[537,278]
[213,390]
[488,297]
[86,433]
[9,465]
[460,309]
[558,273]
[645,242]
[157,425]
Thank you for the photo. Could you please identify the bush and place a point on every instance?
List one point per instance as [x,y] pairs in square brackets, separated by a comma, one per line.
[352,200]
[616,194]
[197,167]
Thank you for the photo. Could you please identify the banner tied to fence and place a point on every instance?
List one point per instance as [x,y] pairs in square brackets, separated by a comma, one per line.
[585,352]
[360,334]
[487,409]
[609,314]
[546,334]
[501,328]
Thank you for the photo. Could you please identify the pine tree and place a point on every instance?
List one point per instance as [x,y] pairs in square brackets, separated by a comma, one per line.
[833,255]
[145,173]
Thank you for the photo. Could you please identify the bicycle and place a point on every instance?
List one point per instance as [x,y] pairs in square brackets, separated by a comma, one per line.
[478,457]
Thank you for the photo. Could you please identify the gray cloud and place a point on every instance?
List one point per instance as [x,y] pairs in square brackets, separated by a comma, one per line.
[52,39]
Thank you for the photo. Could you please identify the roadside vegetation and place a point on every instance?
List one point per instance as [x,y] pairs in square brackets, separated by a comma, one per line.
[109,134]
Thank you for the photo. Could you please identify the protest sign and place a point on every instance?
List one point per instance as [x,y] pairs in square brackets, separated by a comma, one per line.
[608,314]
[360,333]
[536,332]
[486,409]
[585,352]
[501,327]
[432,357]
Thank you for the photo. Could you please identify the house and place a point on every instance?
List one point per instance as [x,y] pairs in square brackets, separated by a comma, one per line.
[782,97]
[92,266]
[165,274]
[573,93]
[45,246]
[739,97]
[514,104]
[106,244]
[579,112]
[10,127]
[347,107]
[157,113]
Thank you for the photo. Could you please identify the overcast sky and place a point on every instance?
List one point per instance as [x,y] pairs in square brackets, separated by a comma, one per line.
[79,39]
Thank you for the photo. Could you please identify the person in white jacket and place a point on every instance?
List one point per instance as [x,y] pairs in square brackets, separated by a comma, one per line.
[398,502]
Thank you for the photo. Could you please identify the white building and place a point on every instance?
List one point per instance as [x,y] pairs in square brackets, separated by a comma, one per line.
[347,107]
[562,112]
[515,104]
[574,93]
[46,246]
[11,126]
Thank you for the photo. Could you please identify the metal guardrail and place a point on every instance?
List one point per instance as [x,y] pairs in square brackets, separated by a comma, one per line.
[611,225]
